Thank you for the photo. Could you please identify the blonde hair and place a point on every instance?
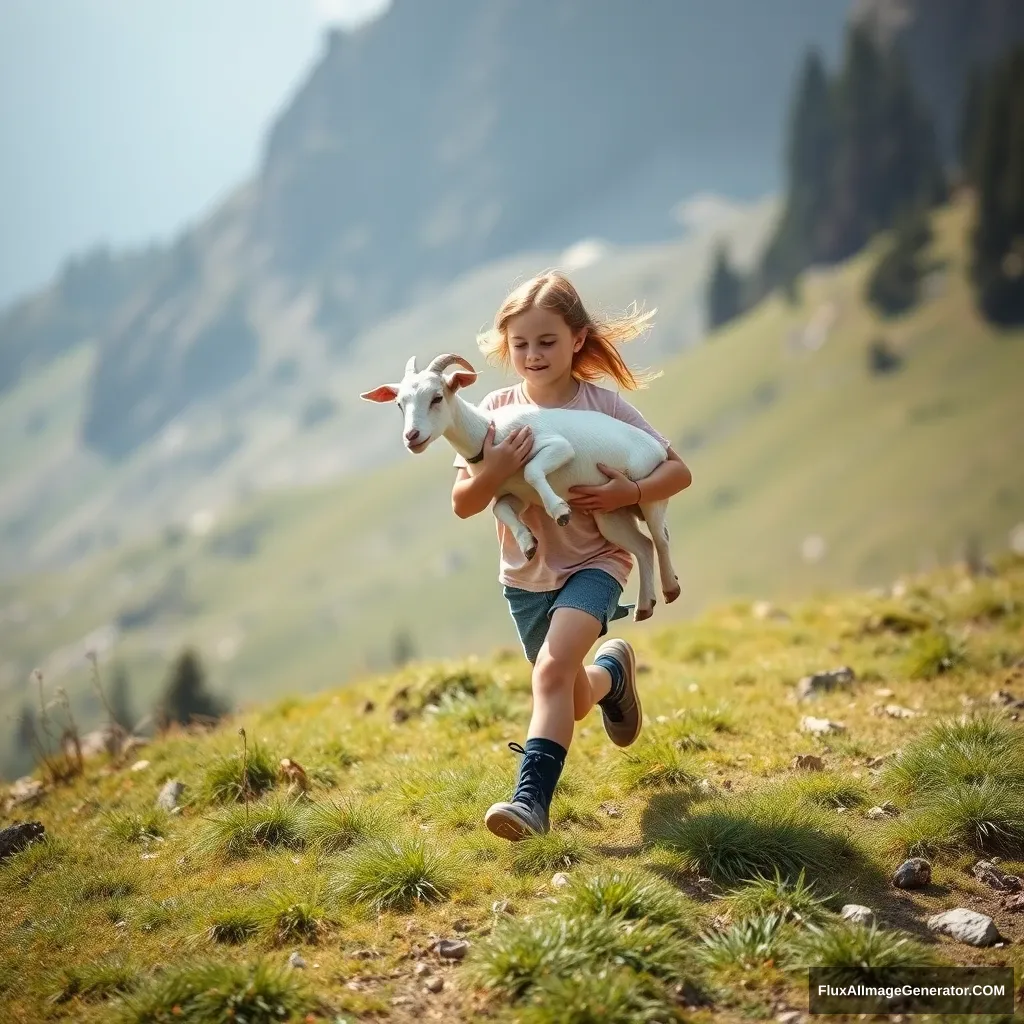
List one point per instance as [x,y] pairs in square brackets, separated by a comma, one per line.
[599,355]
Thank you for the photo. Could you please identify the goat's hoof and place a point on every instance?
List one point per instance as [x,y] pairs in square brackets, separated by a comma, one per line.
[531,552]
[564,518]
[671,595]
[644,613]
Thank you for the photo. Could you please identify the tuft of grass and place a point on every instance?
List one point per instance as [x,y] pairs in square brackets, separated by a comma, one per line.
[241,831]
[611,996]
[655,763]
[735,840]
[752,942]
[396,875]
[292,916]
[454,798]
[554,851]
[24,865]
[132,827]
[234,925]
[858,953]
[227,780]
[108,885]
[717,719]
[93,981]
[155,914]
[521,955]
[830,789]
[975,749]
[931,654]
[789,898]
[628,895]
[986,817]
[214,993]
[477,712]
[335,826]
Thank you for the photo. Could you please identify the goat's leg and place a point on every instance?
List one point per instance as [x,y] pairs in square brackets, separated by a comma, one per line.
[654,513]
[621,528]
[556,453]
[506,510]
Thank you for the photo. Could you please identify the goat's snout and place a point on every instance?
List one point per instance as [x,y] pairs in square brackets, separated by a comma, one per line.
[412,436]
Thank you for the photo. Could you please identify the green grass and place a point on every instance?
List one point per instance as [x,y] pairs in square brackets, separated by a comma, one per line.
[361,878]
[228,779]
[656,763]
[856,953]
[129,827]
[395,875]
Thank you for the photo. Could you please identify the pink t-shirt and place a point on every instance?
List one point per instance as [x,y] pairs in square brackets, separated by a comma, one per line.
[563,550]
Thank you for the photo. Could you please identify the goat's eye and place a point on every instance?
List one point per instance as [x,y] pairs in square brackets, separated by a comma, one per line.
[435,401]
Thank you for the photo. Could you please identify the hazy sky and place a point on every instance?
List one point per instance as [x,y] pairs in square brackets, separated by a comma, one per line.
[123,120]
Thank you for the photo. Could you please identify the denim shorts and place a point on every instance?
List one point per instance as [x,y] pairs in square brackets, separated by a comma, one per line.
[593,591]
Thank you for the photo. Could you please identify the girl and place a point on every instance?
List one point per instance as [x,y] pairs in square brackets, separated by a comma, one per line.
[563,599]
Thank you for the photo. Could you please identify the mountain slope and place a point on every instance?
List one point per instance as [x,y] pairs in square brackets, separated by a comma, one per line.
[789,436]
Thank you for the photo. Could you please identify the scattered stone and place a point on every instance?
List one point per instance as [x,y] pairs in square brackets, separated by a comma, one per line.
[1013,903]
[402,1001]
[820,726]
[500,907]
[857,914]
[19,835]
[913,874]
[966,926]
[706,786]
[25,790]
[421,969]
[766,610]
[559,880]
[109,739]
[169,794]
[789,1017]
[985,871]
[886,810]
[876,762]
[366,954]
[807,762]
[822,682]
[1006,699]
[884,691]
[451,949]
[462,926]
[140,766]
[368,707]
[399,715]
[435,984]
[612,810]
[295,960]
[894,711]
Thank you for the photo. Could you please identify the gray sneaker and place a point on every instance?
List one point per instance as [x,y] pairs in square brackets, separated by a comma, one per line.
[622,721]
[517,820]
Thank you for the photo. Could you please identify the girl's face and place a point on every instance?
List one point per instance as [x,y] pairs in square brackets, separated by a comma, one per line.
[542,346]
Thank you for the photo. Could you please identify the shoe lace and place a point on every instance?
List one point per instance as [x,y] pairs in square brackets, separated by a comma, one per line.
[528,786]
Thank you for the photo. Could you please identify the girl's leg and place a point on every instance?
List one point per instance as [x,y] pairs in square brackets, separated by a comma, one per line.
[555,675]
[592,684]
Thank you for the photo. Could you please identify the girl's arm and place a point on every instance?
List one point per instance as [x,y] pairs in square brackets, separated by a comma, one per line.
[473,492]
[671,477]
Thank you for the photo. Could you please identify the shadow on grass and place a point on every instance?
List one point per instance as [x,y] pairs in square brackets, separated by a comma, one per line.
[733,840]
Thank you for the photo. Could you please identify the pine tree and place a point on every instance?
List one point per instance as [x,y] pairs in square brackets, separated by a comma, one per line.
[724,290]
[120,700]
[894,284]
[997,267]
[971,112]
[186,693]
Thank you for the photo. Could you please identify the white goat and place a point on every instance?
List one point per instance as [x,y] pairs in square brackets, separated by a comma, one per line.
[567,446]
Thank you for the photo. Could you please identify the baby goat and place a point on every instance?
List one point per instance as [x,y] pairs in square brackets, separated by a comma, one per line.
[567,446]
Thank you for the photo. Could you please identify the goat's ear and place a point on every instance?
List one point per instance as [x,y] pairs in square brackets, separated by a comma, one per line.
[385,393]
[460,379]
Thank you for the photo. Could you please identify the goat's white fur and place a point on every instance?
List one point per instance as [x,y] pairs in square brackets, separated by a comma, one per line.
[567,446]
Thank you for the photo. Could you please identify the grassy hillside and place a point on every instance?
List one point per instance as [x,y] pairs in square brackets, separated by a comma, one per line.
[308,589]
[130,914]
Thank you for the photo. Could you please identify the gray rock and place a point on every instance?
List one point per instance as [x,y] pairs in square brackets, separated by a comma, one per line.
[987,872]
[168,798]
[559,880]
[19,835]
[857,914]
[820,726]
[452,949]
[966,926]
[435,984]
[913,874]
[25,790]
[295,960]
[823,682]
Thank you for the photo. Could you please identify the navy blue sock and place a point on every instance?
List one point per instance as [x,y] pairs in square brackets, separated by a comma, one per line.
[539,771]
[618,688]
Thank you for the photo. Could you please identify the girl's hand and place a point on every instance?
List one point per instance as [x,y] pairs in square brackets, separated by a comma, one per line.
[618,492]
[509,456]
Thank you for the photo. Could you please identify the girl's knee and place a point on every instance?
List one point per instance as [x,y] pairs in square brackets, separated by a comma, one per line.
[552,674]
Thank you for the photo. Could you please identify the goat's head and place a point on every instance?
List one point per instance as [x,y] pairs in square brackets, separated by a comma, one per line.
[423,396]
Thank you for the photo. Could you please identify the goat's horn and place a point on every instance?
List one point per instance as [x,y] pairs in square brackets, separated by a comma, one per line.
[410,367]
[441,363]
